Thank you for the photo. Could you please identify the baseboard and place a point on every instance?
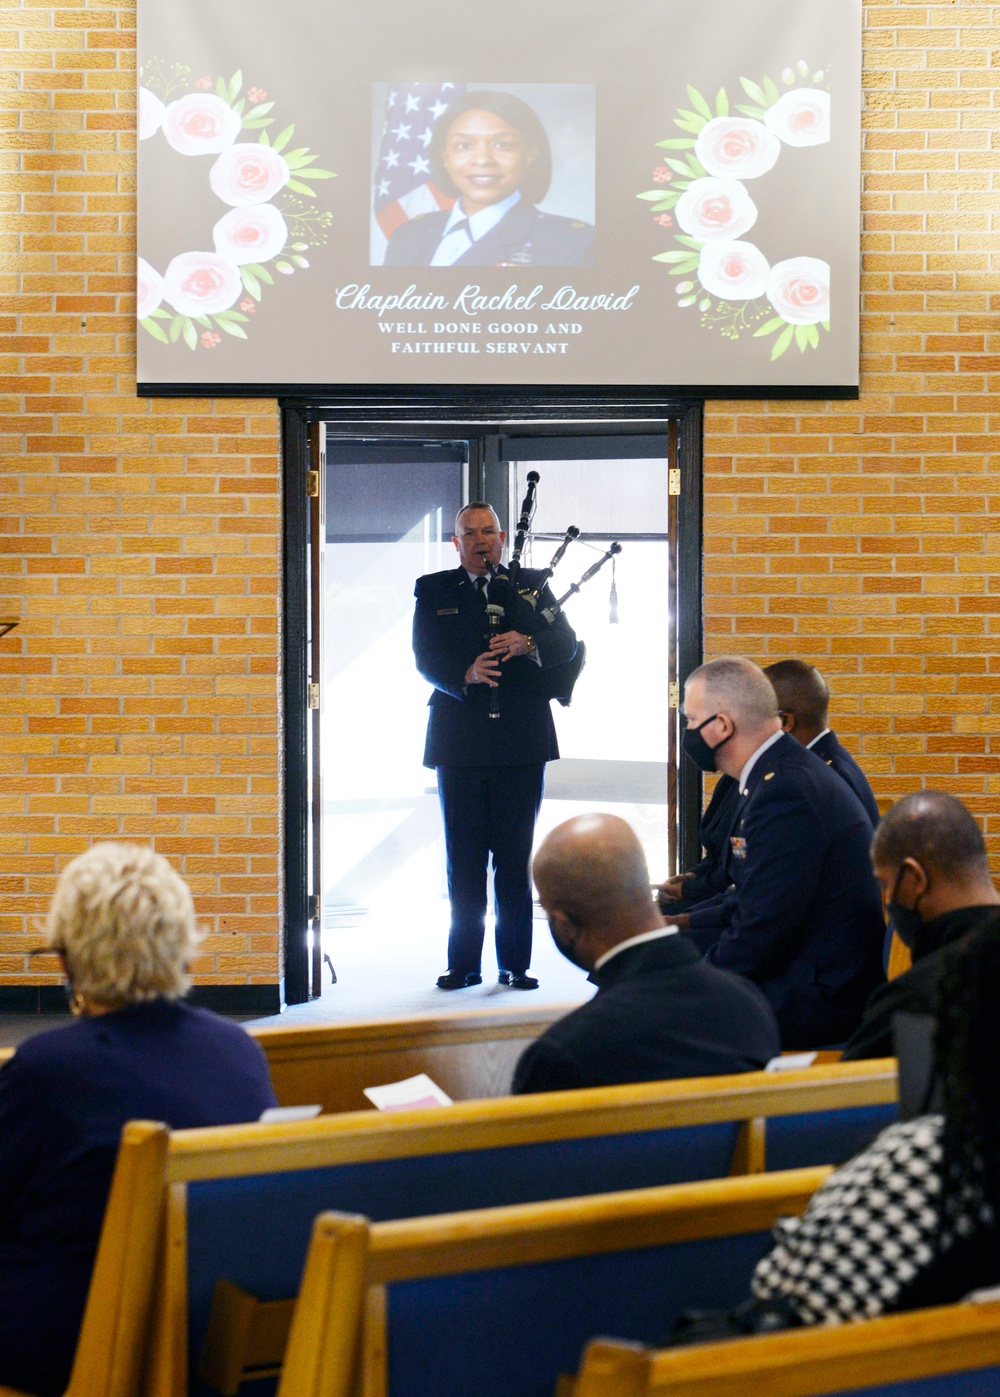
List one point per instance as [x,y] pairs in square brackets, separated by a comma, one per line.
[252,1000]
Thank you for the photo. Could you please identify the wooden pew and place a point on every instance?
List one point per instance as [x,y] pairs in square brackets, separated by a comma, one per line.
[109,1350]
[500,1301]
[904,1355]
[242,1199]
[471,1055]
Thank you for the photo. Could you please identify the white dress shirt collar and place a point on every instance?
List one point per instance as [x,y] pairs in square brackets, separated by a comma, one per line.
[454,244]
[745,773]
[818,738]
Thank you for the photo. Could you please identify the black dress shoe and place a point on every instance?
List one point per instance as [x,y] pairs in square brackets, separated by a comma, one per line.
[459,979]
[517,980]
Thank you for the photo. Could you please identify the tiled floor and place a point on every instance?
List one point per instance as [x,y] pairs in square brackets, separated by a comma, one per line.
[389,972]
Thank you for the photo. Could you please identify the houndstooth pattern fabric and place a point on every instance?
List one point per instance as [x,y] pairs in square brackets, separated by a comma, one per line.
[869,1231]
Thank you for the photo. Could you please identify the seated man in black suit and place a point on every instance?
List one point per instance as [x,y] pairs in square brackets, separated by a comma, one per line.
[930,859]
[659,1011]
[803,707]
[804,918]
[710,876]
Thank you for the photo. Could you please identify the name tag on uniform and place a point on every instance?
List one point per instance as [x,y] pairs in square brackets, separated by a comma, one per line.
[447,610]
[739,846]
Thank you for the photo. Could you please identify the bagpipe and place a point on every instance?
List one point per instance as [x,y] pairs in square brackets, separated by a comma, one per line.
[558,681]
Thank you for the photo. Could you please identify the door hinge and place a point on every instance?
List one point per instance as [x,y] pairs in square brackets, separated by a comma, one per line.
[675,695]
[312,484]
[313,695]
[674,481]
[315,911]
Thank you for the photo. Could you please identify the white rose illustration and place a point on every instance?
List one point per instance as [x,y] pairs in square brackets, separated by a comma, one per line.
[715,208]
[733,270]
[151,113]
[737,146]
[148,289]
[248,174]
[250,234]
[201,283]
[799,290]
[800,117]
[201,124]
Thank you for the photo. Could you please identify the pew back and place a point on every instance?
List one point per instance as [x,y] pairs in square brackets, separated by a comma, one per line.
[233,1186]
[949,1351]
[471,1055]
[500,1301]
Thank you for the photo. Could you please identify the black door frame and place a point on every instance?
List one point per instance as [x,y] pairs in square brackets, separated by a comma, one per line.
[400,414]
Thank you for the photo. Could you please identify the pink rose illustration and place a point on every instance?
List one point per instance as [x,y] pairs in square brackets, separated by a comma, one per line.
[201,124]
[715,208]
[251,234]
[800,117]
[737,146]
[248,174]
[151,113]
[148,289]
[799,290]
[734,270]
[201,283]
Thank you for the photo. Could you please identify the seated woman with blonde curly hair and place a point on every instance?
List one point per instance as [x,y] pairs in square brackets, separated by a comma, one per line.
[122,923]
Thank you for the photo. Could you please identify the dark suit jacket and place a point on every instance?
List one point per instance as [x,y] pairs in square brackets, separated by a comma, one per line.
[64,1098]
[710,876]
[524,237]
[449,631]
[830,750]
[660,1011]
[804,920]
[916,990]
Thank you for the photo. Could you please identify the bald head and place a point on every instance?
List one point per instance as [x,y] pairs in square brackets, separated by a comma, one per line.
[935,829]
[593,882]
[803,697]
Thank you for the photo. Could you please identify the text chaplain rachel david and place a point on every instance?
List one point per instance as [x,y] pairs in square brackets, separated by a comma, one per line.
[491,153]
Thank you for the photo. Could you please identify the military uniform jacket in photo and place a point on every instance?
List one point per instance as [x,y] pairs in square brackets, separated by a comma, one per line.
[524,237]
[449,630]
[832,751]
[804,920]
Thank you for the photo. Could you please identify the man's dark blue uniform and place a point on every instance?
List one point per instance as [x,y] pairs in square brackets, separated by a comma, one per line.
[830,750]
[804,920]
[490,771]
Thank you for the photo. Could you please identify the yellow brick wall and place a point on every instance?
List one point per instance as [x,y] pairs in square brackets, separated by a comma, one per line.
[862,536]
[139,540]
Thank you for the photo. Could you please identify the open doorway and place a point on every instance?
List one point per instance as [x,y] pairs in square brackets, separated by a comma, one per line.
[382,514]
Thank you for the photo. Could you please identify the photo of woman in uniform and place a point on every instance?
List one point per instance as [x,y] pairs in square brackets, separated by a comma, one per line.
[491,153]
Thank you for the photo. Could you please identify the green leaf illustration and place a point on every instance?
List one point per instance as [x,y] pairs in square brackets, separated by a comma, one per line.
[190,334]
[757,113]
[782,342]
[258,125]
[696,118]
[176,325]
[721,103]
[687,300]
[235,83]
[264,140]
[261,109]
[752,90]
[259,271]
[232,329]
[699,103]
[680,167]
[667,202]
[285,267]
[696,243]
[802,338]
[283,137]
[221,315]
[154,329]
[674,257]
[692,124]
[161,314]
[681,143]
[651,195]
[771,93]
[690,264]
[222,89]
[301,188]
[826,326]
[812,334]
[769,327]
[239,106]
[204,322]
[683,286]
[250,282]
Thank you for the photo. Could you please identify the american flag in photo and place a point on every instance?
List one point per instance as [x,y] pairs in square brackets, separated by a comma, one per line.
[403,183]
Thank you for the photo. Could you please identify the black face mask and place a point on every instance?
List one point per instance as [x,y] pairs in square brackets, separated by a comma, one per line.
[698,749]
[907,921]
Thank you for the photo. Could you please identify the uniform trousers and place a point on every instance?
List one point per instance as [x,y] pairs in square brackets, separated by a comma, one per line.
[490,809]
